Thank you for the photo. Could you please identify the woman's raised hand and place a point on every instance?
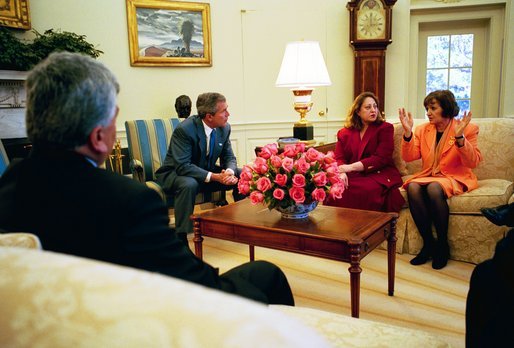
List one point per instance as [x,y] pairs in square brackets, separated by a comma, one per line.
[407,122]
[462,123]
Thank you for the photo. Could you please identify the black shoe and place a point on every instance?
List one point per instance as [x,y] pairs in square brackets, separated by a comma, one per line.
[422,258]
[441,256]
[501,215]
[221,203]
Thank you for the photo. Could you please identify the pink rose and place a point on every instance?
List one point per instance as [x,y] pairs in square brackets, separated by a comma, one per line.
[279,194]
[336,191]
[287,164]
[263,184]
[297,194]
[246,173]
[331,169]
[265,153]
[281,179]
[244,187]
[272,148]
[302,166]
[256,197]
[319,195]
[320,179]
[298,180]
[276,161]
[300,147]
[334,179]
[290,151]
[313,155]
[329,157]
[260,165]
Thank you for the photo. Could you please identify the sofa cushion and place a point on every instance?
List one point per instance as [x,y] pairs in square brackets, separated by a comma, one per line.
[490,193]
[495,144]
[55,300]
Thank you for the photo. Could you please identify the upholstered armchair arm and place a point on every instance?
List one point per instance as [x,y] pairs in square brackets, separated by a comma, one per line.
[138,173]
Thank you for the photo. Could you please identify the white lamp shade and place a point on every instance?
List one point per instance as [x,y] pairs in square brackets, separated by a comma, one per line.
[303,66]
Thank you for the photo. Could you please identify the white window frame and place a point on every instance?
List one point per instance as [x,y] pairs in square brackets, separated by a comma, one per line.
[494,15]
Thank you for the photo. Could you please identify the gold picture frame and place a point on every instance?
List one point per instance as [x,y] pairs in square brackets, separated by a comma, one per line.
[15,14]
[169,33]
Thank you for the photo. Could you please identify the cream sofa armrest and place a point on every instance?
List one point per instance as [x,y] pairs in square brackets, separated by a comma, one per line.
[345,331]
[20,240]
[69,301]
[511,199]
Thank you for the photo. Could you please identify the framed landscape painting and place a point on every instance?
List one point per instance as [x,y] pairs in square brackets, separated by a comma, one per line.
[169,33]
[15,14]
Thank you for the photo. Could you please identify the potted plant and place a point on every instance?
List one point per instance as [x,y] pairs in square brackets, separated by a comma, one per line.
[19,54]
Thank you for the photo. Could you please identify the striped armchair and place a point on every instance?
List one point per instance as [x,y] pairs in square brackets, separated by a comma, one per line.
[148,142]
[4,161]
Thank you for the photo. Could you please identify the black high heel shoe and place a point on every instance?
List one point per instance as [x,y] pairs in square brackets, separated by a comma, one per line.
[441,256]
[424,255]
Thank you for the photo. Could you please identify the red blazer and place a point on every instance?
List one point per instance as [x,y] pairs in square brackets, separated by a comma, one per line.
[375,151]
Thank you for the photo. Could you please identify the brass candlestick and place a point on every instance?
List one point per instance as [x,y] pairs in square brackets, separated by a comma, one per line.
[115,158]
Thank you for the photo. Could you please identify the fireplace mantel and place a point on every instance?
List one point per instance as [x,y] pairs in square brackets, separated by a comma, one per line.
[12,104]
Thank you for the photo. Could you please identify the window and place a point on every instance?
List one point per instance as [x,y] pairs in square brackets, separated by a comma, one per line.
[459,49]
[450,66]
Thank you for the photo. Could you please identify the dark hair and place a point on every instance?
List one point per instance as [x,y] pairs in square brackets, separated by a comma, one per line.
[352,118]
[183,106]
[446,100]
[207,103]
[68,94]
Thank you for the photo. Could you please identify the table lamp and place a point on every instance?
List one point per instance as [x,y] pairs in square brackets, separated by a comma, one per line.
[303,68]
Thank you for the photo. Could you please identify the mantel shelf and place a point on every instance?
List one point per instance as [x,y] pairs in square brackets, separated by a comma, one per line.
[13,75]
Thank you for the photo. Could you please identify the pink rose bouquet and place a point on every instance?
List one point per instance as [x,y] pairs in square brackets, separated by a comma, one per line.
[292,177]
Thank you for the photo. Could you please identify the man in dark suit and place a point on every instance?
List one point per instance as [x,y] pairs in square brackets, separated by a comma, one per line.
[74,207]
[190,164]
[490,301]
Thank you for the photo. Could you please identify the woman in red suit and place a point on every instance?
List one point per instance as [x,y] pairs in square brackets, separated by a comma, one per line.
[364,153]
[448,151]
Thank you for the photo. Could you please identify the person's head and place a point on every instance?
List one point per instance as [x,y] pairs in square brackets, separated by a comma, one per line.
[440,104]
[212,109]
[183,106]
[364,111]
[71,105]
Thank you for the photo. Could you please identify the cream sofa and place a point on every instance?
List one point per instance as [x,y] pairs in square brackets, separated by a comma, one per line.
[471,236]
[56,300]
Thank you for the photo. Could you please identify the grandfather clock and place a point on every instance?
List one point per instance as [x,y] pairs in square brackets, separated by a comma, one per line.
[370,33]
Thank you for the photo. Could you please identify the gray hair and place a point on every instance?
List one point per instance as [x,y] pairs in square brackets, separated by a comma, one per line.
[68,95]
[207,103]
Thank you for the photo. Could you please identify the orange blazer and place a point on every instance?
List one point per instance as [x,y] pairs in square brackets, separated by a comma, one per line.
[455,163]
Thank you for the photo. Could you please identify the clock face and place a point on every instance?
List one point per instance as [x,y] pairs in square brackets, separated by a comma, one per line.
[371,25]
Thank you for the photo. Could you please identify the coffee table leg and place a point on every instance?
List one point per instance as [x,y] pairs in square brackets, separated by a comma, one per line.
[251,250]
[391,256]
[198,239]
[355,278]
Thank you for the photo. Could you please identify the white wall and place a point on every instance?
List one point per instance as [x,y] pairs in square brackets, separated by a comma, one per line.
[148,92]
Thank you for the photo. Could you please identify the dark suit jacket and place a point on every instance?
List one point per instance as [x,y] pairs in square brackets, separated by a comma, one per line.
[78,209]
[187,154]
[490,301]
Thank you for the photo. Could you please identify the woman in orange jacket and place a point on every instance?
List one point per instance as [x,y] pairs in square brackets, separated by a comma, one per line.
[448,151]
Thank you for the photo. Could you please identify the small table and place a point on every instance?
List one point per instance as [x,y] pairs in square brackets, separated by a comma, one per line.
[340,234]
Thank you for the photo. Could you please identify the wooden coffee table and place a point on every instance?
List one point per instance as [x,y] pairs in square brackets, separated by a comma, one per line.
[333,233]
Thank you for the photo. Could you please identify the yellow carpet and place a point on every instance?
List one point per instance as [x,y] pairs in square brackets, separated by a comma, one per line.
[424,299]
